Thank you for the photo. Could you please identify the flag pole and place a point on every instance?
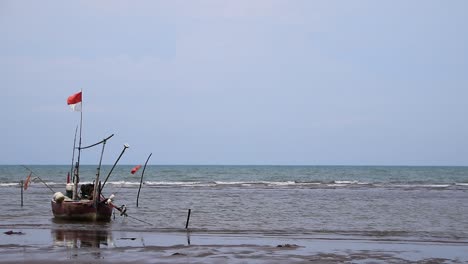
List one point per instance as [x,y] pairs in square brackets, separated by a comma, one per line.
[77,171]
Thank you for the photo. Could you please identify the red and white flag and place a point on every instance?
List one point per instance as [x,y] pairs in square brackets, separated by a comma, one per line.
[74,101]
[28,180]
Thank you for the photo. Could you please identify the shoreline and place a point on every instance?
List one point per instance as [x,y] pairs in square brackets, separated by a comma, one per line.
[106,246]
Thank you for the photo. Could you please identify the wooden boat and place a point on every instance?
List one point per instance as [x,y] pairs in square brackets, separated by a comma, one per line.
[89,204]
[82,209]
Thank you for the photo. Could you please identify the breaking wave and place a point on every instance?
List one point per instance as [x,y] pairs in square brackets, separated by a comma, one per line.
[262,184]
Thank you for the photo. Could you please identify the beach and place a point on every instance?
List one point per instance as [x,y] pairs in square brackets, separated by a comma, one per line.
[247,214]
[98,246]
[234,132]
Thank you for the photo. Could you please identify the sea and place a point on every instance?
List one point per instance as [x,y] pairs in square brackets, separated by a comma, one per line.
[377,202]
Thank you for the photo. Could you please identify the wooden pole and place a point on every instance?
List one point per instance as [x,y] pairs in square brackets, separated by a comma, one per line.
[97,183]
[141,180]
[73,156]
[115,164]
[37,176]
[76,177]
[188,218]
[21,185]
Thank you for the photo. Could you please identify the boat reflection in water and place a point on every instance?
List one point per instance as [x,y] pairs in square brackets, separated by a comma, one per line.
[82,238]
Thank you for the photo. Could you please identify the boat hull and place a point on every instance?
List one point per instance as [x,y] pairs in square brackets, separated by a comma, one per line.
[83,210]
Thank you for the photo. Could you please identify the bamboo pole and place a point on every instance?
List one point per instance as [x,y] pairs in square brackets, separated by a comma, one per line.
[21,186]
[141,180]
[37,177]
[97,183]
[188,218]
[115,164]
[73,156]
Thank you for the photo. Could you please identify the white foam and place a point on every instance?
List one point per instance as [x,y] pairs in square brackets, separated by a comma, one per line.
[9,184]
[421,185]
[346,182]
[81,183]
[250,183]
[236,183]
[124,183]
[286,183]
[308,183]
[337,185]
[167,183]
[436,185]
[364,183]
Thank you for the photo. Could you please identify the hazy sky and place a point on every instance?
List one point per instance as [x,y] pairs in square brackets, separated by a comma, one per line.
[237,82]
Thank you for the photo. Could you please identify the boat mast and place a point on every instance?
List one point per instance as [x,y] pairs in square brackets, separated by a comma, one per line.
[77,167]
[96,192]
[73,156]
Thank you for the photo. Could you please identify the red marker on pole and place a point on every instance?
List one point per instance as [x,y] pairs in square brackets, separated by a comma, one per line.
[137,167]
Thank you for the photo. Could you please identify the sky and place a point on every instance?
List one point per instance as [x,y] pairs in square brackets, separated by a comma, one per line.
[248,82]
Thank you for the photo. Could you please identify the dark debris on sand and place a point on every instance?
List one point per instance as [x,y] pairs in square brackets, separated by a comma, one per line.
[287,246]
[11,232]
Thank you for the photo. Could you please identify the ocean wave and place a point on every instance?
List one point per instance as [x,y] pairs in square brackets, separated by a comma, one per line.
[14,184]
[175,183]
[242,183]
[253,183]
[9,184]
[124,183]
[345,182]
[421,185]
[261,184]
[435,185]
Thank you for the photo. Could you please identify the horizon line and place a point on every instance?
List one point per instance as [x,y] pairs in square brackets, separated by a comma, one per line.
[266,165]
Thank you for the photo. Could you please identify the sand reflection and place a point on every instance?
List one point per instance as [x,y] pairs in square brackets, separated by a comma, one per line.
[82,238]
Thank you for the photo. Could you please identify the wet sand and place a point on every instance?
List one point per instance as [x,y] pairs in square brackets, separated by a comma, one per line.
[101,246]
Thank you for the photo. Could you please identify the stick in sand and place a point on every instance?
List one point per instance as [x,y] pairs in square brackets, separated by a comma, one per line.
[141,180]
[188,218]
[37,176]
[124,213]
[21,183]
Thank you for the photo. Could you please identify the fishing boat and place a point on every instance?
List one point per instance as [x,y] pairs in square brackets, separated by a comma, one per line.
[86,203]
